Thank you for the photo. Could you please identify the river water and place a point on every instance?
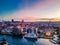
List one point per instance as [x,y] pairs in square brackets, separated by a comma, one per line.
[23,41]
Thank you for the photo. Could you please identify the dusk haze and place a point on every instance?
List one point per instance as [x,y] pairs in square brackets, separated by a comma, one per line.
[29,10]
[29,22]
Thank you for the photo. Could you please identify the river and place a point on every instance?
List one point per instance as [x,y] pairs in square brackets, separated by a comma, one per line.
[23,41]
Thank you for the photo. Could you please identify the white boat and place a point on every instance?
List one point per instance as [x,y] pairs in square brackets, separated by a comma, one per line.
[54,39]
[31,36]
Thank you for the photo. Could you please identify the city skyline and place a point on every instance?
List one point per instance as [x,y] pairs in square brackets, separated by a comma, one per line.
[30,10]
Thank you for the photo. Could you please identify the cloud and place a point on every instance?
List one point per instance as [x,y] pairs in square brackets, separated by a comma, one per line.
[45,9]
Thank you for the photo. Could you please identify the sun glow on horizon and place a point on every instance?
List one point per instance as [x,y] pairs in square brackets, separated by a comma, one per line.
[32,11]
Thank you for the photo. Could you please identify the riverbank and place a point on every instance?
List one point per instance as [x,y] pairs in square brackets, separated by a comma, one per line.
[22,41]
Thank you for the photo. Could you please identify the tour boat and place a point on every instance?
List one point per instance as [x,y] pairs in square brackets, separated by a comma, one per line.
[31,36]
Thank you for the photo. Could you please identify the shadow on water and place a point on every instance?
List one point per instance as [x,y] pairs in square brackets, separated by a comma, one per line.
[18,40]
[17,37]
[31,40]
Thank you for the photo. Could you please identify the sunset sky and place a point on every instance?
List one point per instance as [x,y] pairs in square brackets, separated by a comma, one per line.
[30,10]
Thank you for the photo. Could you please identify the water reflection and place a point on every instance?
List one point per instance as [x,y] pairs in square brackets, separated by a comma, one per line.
[19,40]
[19,37]
[32,40]
[22,41]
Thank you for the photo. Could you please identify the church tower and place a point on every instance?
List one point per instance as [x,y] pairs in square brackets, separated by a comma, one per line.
[22,23]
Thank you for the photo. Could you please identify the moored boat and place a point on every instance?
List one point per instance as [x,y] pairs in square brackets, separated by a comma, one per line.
[31,36]
[54,39]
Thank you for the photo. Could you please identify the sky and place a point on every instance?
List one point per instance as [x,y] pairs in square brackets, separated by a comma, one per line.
[30,10]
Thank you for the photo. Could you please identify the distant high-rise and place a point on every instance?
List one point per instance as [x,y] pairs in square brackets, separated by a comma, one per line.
[3,23]
[12,20]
